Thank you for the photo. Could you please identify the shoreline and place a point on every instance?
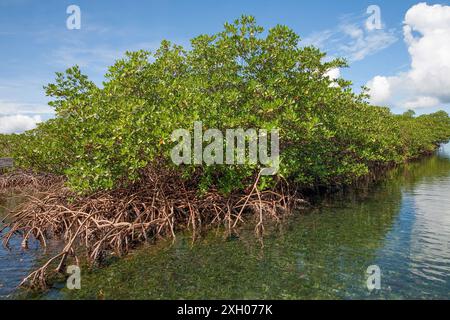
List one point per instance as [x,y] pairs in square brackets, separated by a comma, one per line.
[376,199]
[136,230]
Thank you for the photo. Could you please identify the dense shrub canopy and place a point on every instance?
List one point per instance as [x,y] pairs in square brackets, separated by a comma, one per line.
[238,78]
[6,144]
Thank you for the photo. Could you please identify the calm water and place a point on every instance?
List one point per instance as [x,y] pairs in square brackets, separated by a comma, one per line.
[14,263]
[401,225]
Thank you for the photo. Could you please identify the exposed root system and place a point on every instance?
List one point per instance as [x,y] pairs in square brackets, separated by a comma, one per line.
[28,180]
[116,221]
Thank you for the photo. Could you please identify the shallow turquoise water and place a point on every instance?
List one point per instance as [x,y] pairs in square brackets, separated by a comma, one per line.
[402,225]
[14,263]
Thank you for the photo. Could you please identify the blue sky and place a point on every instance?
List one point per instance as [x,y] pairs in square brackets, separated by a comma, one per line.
[35,43]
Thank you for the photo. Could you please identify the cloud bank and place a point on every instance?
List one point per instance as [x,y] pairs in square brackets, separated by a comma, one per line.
[18,123]
[426,84]
[10,108]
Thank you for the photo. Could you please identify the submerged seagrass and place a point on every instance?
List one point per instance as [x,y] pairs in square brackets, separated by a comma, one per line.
[111,145]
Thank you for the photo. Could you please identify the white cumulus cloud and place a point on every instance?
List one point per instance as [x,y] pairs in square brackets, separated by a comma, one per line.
[9,108]
[334,73]
[427,82]
[421,102]
[380,89]
[18,123]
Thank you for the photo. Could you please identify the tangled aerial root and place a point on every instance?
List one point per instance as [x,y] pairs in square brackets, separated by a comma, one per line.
[28,180]
[116,221]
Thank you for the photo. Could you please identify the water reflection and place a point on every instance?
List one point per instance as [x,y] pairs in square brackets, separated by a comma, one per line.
[416,255]
[402,225]
[14,263]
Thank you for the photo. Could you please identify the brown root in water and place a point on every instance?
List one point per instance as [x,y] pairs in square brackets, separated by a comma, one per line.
[116,221]
[20,180]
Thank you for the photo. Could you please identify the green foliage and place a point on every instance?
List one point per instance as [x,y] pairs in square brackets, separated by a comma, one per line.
[7,141]
[422,134]
[103,136]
